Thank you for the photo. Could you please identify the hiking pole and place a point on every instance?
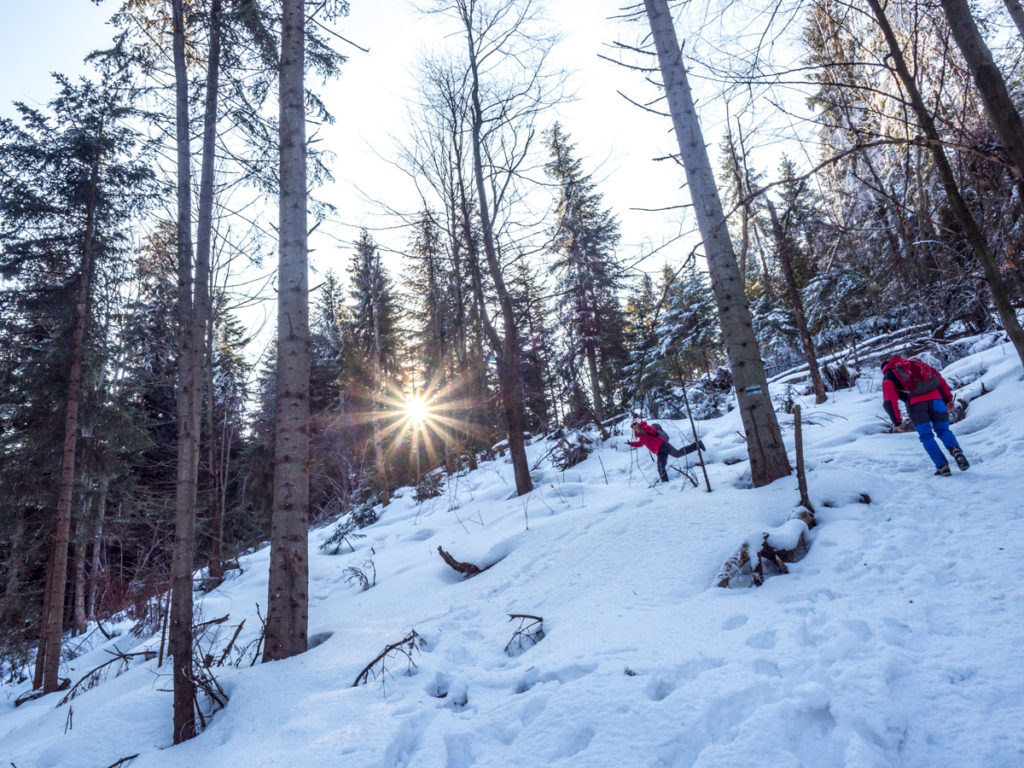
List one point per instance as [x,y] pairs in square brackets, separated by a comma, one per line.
[693,427]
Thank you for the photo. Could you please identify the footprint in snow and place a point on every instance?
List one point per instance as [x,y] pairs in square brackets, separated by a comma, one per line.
[659,690]
[735,622]
[766,668]
[764,640]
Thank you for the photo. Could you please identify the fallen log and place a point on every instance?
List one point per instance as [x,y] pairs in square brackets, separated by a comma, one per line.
[466,569]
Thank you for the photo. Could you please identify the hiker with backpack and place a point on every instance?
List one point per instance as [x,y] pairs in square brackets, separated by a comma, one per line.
[928,400]
[653,437]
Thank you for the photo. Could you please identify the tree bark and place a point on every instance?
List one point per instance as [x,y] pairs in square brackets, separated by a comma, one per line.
[203,319]
[79,620]
[782,246]
[971,230]
[96,567]
[180,630]
[288,598]
[52,624]
[768,460]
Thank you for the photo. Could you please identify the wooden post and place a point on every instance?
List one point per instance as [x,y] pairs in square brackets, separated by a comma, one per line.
[800,474]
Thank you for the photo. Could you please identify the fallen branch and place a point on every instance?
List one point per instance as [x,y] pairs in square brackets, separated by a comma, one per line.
[528,634]
[123,761]
[231,644]
[405,647]
[467,569]
[118,656]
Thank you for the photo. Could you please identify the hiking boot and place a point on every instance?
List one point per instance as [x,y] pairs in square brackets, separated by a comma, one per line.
[961,461]
[944,470]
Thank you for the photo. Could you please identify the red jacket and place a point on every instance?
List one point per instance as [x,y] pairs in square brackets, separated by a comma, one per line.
[648,436]
[891,396]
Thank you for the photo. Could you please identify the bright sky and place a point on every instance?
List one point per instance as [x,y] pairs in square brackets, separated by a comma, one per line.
[43,36]
[616,139]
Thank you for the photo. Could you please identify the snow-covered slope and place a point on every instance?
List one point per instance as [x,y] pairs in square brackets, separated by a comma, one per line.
[898,640]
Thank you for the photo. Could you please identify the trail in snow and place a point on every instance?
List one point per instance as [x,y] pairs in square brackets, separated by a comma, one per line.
[898,641]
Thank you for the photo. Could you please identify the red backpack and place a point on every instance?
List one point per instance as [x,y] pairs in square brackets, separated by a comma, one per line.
[913,376]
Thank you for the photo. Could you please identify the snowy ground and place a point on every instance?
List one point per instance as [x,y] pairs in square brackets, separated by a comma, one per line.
[898,640]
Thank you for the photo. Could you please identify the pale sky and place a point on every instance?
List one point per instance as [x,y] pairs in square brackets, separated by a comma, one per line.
[617,140]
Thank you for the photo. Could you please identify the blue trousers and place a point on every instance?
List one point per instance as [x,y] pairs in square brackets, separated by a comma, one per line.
[929,415]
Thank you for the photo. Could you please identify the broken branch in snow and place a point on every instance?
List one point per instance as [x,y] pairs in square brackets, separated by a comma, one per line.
[92,677]
[404,647]
[467,569]
[529,633]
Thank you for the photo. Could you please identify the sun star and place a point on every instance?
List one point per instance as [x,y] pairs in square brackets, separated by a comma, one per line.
[416,411]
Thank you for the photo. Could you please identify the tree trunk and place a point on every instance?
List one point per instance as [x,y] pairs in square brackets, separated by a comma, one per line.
[768,460]
[1017,14]
[96,567]
[508,352]
[79,621]
[288,589]
[52,623]
[180,630]
[971,230]
[214,511]
[378,387]
[782,250]
[1002,112]
[595,382]
[203,316]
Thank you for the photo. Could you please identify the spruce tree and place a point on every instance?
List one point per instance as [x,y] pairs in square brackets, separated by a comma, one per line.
[72,181]
[583,241]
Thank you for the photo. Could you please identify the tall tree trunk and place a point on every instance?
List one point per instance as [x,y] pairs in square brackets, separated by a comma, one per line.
[971,230]
[378,387]
[782,246]
[187,399]
[52,624]
[508,350]
[288,589]
[1002,112]
[96,567]
[1017,14]
[203,316]
[213,507]
[595,382]
[79,621]
[767,452]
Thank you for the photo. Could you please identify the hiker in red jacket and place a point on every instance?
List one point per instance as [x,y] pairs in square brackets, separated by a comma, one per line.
[928,400]
[649,436]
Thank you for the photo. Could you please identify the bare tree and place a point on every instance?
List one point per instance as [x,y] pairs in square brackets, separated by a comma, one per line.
[961,212]
[783,248]
[508,86]
[768,460]
[288,589]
